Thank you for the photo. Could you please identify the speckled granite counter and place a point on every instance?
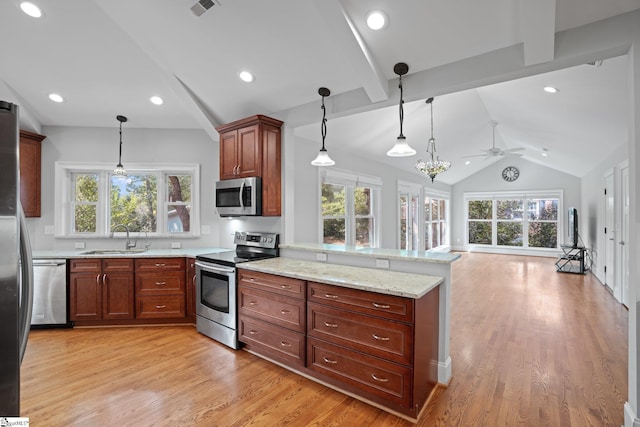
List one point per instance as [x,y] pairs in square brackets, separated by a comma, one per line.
[381,281]
[151,253]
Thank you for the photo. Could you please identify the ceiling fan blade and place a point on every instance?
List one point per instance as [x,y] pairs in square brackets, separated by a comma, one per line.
[513,150]
[476,155]
[513,154]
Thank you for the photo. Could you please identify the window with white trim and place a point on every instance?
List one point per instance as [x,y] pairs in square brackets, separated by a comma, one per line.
[154,200]
[526,220]
[349,208]
[436,227]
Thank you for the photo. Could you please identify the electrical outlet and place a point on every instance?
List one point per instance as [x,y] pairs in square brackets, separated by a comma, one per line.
[321,257]
[176,245]
[48,229]
[382,263]
[80,245]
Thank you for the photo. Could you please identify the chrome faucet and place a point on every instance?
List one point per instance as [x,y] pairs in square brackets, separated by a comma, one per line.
[129,244]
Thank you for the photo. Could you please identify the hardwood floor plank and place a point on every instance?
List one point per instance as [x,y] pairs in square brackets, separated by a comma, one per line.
[530,347]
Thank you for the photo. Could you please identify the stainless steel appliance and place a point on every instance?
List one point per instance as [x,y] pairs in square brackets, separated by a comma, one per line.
[239,197]
[49,293]
[16,271]
[216,286]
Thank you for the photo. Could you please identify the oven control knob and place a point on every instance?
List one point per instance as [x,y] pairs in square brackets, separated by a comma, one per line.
[270,239]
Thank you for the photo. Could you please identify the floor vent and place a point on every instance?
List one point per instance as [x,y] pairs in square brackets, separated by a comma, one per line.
[202,6]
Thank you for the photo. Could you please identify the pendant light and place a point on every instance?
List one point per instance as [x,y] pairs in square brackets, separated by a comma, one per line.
[433,166]
[401,147]
[323,158]
[120,170]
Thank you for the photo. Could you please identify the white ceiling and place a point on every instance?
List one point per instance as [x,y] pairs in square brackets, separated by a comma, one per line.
[107,57]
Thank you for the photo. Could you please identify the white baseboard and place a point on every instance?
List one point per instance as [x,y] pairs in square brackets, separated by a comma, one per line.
[444,371]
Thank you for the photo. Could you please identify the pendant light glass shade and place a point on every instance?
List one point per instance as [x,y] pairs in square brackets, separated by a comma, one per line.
[433,166]
[120,170]
[323,158]
[401,148]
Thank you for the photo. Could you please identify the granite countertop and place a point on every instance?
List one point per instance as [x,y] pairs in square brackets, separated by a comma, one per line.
[151,253]
[400,254]
[381,281]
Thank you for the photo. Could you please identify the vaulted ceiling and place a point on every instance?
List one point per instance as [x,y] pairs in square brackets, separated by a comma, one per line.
[107,57]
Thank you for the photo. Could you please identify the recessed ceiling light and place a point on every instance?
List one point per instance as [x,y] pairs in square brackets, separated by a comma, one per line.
[55,97]
[545,152]
[31,9]
[468,162]
[551,89]
[246,76]
[156,100]
[376,20]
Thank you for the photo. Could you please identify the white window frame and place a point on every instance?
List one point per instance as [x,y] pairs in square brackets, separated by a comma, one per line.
[439,195]
[509,195]
[350,181]
[64,193]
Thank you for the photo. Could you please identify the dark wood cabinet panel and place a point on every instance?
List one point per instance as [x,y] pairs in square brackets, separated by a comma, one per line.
[158,306]
[85,298]
[30,172]
[117,296]
[190,291]
[271,340]
[251,147]
[278,284]
[160,288]
[268,306]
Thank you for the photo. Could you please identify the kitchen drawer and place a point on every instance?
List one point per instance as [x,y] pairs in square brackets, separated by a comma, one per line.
[89,265]
[150,307]
[159,264]
[278,284]
[383,338]
[273,341]
[387,306]
[370,374]
[117,264]
[169,282]
[273,308]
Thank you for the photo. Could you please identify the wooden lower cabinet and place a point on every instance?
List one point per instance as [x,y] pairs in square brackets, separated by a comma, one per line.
[382,348]
[160,288]
[101,289]
[190,283]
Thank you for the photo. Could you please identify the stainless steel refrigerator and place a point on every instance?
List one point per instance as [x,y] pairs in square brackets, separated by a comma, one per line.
[16,269]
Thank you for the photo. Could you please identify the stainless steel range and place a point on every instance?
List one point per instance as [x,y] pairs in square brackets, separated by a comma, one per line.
[216,286]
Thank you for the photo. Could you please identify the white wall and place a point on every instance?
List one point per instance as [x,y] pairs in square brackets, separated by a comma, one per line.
[307,188]
[592,212]
[87,144]
[532,177]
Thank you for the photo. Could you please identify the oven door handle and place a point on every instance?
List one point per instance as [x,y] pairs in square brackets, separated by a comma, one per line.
[208,266]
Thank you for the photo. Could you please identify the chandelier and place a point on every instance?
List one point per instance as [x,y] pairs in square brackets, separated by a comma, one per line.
[433,166]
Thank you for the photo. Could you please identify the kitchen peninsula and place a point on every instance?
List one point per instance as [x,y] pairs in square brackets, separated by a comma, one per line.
[374,334]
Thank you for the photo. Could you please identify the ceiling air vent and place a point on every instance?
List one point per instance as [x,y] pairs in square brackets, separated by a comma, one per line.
[202,6]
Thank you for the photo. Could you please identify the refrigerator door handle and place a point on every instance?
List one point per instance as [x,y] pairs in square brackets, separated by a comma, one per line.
[26,300]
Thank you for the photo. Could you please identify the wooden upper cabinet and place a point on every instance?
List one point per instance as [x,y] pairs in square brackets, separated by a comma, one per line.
[30,166]
[251,147]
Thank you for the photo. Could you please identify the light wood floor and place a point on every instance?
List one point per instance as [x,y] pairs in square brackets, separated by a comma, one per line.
[530,347]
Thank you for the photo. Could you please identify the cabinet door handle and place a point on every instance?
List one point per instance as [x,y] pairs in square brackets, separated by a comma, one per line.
[253,332]
[379,338]
[160,307]
[330,325]
[331,361]
[160,264]
[376,305]
[97,280]
[285,344]
[161,283]
[253,303]
[104,279]
[331,296]
[238,173]
[285,312]
[379,379]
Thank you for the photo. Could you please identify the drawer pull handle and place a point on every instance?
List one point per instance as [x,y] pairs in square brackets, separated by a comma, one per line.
[160,264]
[330,325]
[161,283]
[382,380]
[285,344]
[285,312]
[253,303]
[285,286]
[160,307]
[327,360]
[379,338]
[251,279]
[332,296]
[376,305]
[253,332]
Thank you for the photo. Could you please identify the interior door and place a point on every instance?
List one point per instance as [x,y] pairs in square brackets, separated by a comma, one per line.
[624,234]
[610,237]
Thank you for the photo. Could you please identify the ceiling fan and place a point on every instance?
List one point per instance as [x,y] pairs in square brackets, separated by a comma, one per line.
[496,151]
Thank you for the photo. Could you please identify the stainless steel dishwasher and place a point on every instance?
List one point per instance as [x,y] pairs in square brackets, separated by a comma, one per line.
[49,293]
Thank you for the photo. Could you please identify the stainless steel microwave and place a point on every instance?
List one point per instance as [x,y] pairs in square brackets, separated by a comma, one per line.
[239,197]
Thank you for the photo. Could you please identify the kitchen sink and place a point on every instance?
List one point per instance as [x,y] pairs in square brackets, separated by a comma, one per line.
[113,251]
